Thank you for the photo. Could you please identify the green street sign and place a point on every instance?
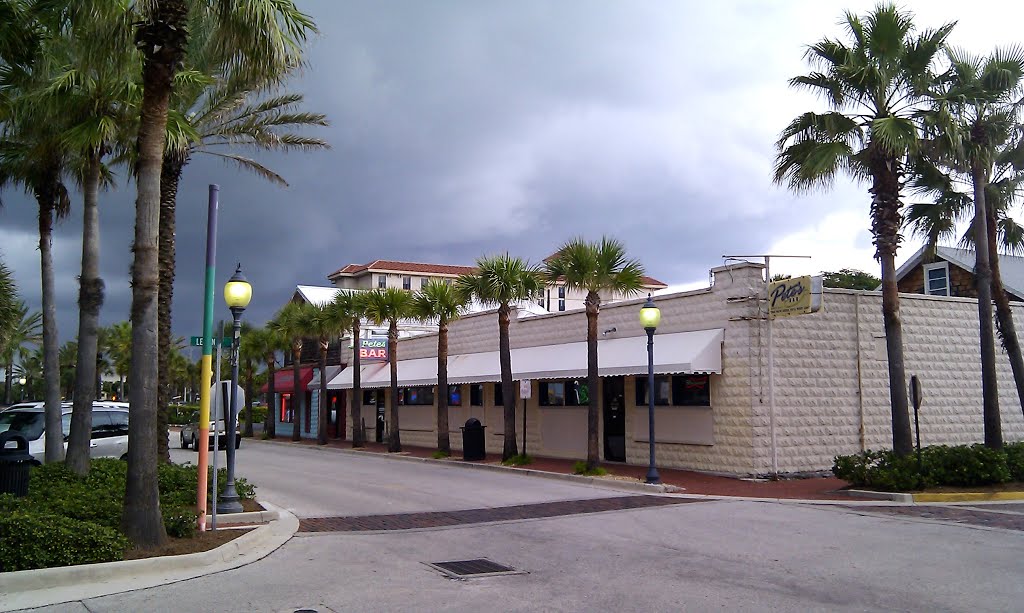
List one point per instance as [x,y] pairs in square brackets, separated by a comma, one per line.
[197,341]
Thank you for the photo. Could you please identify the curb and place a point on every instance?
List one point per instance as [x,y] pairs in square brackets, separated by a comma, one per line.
[48,586]
[967,496]
[873,495]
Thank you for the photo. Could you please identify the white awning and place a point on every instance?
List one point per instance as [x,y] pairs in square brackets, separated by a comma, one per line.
[680,352]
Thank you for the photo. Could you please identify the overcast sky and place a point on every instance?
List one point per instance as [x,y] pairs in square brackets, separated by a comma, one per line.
[464,128]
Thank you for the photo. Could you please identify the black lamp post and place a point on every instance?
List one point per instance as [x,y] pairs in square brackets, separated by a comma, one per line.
[650,317]
[237,294]
[22,381]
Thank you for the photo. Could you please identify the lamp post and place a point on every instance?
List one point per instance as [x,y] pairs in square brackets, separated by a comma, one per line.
[237,293]
[650,317]
[22,381]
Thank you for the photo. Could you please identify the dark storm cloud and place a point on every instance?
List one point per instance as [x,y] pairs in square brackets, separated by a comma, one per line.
[465,128]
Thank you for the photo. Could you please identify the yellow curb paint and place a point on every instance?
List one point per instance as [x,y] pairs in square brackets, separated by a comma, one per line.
[968,496]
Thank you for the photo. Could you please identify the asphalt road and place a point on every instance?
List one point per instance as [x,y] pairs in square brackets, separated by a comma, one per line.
[715,555]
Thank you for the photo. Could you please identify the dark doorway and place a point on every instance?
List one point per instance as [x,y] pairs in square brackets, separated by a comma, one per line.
[380,416]
[614,419]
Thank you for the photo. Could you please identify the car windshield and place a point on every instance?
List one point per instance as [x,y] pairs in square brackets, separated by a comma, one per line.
[28,423]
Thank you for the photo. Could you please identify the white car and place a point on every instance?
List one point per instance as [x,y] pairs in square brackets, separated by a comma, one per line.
[109,427]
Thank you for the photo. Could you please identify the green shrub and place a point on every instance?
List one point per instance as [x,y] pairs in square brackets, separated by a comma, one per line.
[31,540]
[580,468]
[941,465]
[180,522]
[440,455]
[1015,460]
[522,460]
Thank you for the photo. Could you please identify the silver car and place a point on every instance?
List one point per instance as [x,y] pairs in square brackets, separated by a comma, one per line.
[189,436]
[109,427]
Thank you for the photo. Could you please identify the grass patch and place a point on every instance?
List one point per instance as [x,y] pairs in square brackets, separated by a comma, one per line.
[580,468]
[518,460]
[440,455]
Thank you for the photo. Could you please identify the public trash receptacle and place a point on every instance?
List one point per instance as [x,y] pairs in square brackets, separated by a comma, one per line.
[473,440]
[15,461]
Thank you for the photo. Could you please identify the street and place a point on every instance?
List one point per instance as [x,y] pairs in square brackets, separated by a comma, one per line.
[731,555]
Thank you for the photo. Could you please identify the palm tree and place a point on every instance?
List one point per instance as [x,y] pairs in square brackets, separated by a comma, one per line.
[33,156]
[876,88]
[249,354]
[438,301]
[351,306]
[594,268]
[214,107]
[323,323]
[263,344]
[10,308]
[264,36]
[390,305]
[290,323]
[504,280]
[25,330]
[119,348]
[975,114]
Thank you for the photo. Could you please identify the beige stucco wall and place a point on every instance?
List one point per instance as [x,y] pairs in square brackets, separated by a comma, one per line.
[820,409]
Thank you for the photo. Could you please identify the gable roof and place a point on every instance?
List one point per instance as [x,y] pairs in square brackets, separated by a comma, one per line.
[1011,267]
[398,266]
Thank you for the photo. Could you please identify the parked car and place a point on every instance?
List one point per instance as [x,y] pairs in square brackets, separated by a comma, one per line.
[109,427]
[189,436]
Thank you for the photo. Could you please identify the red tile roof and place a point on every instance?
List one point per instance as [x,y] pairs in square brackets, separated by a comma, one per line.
[392,265]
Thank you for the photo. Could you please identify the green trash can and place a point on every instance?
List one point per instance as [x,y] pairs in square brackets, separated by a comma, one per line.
[15,461]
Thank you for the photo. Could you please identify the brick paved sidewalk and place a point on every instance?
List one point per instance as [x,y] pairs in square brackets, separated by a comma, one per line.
[820,488]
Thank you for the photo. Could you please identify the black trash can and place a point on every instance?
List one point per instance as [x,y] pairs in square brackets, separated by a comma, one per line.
[473,440]
[14,464]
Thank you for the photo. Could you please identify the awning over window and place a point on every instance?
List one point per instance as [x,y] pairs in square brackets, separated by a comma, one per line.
[284,380]
[680,352]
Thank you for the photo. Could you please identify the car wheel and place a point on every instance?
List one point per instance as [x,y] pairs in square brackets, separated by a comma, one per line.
[195,444]
[181,438]
[124,457]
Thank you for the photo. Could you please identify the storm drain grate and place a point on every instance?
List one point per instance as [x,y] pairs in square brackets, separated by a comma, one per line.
[480,567]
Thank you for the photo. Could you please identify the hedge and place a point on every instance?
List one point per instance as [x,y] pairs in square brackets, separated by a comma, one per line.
[940,465]
[30,539]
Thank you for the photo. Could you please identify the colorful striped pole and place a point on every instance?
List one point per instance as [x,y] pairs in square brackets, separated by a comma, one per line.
[207,362]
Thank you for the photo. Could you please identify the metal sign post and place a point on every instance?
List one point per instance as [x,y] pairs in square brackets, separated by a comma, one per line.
[525,392]
[916,396]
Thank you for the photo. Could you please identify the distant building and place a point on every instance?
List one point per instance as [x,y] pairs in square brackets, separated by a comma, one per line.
[950,272]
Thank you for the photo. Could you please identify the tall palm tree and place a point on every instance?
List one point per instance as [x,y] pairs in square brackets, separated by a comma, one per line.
[250,355]
[27,329]
[290,324]
[264,35]
[439,302]
[594,268]
[119,348]
[34,157]
[215,109]
[390,305]
[503,281]
[325,324]
[975,116]
[876,88]
[352,307]
[263,344]
[10,308]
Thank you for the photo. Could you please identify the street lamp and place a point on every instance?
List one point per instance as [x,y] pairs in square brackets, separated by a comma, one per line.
[650,317]
[22,381]
[237,294]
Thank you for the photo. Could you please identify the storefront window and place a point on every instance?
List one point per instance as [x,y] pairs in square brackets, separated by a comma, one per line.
[572,393]
[476,395]
[455,395]
[287,411]
[677,390]
[416,395]
[499,396]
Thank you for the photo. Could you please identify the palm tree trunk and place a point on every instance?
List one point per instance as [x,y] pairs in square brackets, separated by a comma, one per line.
[509,448]
[983,282]
[54,441]
[358,440]
[247,430]
[593,304]
[321,427]
[885,225]
[1004,314]
[443,442]
[270,425]
[162,39]
[394,438]
[170,175]
[298,396]
[90,299]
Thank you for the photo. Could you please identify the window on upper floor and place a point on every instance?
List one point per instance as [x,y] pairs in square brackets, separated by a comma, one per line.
[423,282]
[406,282]
[936,279]
[382,281]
